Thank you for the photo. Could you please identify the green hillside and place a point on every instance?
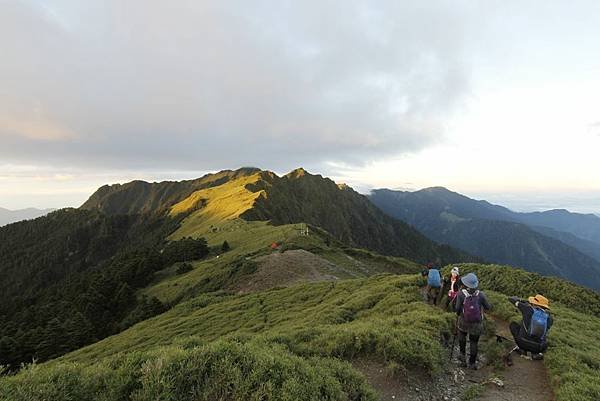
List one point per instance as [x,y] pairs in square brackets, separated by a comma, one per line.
[301,343]
[294,308]
[298,197]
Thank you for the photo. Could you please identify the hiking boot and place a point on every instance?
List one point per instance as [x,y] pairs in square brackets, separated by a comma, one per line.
[537,357]
[472,366]
[463,360]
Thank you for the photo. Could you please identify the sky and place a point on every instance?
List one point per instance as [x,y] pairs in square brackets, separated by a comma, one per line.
[496,100]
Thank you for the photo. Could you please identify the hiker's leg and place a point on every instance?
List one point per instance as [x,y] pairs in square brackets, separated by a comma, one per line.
[453,303]
[515,328]
[525,345]
[462,342]
[446,303]
[473,345]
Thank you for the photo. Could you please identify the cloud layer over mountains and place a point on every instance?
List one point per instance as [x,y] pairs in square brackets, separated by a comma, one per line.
[205,85]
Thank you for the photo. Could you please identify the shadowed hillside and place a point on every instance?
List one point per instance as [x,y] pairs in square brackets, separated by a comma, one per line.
[495,233]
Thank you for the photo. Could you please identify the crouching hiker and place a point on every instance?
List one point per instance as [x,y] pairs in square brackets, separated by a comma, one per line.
[470,304]
[530,335]
[453,285]
[434,284]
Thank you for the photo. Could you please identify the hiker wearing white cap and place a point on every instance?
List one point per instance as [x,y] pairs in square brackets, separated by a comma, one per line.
[452,282]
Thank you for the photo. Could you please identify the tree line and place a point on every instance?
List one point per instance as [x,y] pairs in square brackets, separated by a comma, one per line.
[70,278]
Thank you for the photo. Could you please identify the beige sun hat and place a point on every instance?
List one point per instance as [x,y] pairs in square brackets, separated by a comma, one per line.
[540,300]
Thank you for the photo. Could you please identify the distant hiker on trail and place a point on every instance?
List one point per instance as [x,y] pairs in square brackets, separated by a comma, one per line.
[453,284]
[434,283]
[470,304]
[530,335]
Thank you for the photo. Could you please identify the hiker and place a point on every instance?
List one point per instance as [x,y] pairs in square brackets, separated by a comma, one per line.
[470,304]
[530,335]
[434,283]
[453,284]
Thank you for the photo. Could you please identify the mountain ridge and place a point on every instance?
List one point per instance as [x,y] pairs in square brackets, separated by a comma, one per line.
[296,197]
[493,232]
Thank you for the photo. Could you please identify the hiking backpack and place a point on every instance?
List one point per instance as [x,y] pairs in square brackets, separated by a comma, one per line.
[471,307]
[434,279]
[539,324]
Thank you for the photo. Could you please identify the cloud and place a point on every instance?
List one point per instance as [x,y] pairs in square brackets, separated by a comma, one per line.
[208,85]
[594,128]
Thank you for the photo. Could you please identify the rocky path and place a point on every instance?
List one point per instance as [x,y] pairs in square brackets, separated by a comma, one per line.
[526,380]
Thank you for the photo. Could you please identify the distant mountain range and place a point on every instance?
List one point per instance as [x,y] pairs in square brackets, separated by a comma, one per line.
[12,216]
[555,242]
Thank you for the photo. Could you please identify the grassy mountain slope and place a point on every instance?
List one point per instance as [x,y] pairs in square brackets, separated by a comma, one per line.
[347,215]
[257,345]
[490,232]
[142,197]
[248,263]
[254,322]
[298,197]
[309,325]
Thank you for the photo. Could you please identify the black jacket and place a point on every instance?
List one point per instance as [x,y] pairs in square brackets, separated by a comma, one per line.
[527,311]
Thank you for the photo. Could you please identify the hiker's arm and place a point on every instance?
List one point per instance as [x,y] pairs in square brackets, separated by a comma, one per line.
[523,307]
[485,302]
[516,301]
[550,321]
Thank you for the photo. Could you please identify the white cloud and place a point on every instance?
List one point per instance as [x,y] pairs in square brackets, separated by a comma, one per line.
[220,84]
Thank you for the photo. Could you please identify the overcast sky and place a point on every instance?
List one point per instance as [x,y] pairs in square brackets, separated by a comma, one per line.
[495,98]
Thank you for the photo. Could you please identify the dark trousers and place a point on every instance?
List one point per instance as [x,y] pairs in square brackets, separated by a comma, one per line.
[525,342]
[432,294]
[473,345]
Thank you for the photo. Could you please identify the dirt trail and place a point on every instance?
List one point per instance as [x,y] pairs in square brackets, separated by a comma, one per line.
[526,380]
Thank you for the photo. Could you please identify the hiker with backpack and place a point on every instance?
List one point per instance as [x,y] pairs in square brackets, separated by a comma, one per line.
[470,304]
[453,284]
[434,284]
[530,335]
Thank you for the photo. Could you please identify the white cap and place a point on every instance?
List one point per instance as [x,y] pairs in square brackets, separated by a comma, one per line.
[455,270]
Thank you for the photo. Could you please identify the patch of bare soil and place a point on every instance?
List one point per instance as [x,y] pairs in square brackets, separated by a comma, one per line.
[286,268]
[412,386]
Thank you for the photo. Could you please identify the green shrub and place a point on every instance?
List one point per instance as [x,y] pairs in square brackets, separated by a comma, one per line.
[221,370]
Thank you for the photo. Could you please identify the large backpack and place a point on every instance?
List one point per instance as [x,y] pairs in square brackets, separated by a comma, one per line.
[471,307]
[539,324]
[434,279]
